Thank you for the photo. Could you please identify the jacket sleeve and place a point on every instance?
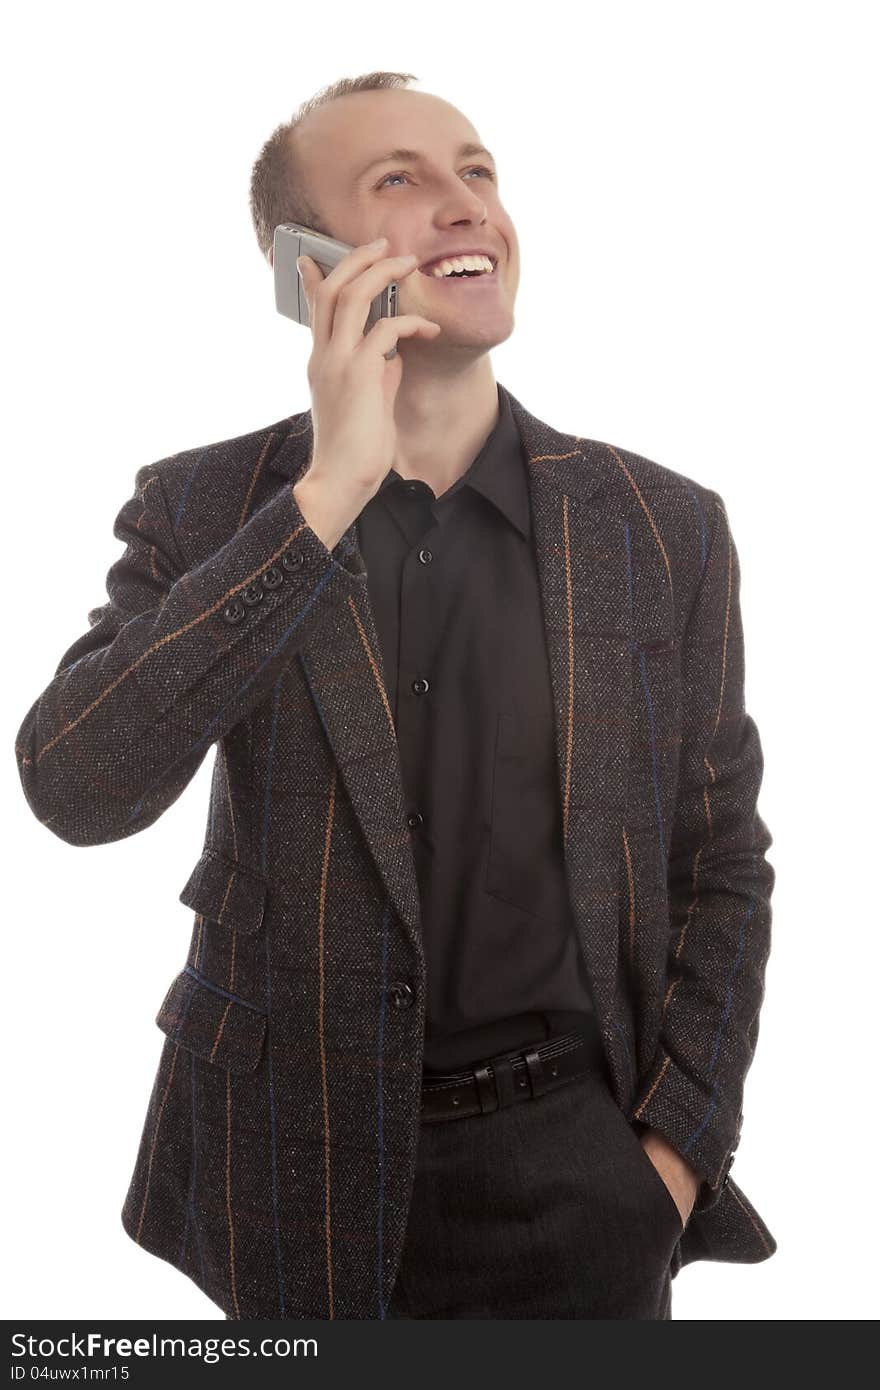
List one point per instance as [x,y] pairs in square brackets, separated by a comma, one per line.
[175,658]
[720,885]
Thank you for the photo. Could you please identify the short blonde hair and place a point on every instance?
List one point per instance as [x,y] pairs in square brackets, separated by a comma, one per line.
[278,192]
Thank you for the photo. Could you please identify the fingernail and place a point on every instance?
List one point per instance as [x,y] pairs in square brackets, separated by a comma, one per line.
[380,241]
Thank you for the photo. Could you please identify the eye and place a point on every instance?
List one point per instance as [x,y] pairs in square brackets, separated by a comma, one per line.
[400,174]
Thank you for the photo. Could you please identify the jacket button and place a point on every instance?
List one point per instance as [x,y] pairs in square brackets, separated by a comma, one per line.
[400,996]
[272,577]
[292,560]
[234,611]
[253,594]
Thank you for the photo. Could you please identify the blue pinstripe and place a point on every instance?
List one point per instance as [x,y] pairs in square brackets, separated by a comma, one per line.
[656,778]
[187,488]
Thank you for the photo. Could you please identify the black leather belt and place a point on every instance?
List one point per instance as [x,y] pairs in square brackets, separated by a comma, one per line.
[508,1078]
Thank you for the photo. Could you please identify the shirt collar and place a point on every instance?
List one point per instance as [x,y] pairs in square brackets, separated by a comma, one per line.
[498,471]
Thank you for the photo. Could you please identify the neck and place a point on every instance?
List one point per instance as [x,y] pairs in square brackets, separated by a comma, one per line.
[443,419]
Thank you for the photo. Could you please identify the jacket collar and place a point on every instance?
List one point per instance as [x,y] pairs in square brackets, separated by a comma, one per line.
[575,465]
[497,472]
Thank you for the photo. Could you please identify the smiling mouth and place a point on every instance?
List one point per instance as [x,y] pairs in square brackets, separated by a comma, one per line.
[462,274]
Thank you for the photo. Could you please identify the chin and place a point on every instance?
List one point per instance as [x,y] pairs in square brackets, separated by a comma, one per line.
[472,333]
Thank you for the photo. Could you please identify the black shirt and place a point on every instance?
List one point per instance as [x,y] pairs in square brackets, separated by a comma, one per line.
[454,589]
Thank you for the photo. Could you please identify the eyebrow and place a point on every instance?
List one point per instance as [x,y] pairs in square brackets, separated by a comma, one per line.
[412,156]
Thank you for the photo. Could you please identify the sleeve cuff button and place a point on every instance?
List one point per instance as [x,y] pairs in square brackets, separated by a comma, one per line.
[234,611]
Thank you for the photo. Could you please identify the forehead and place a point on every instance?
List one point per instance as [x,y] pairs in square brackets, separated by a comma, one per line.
[362,125]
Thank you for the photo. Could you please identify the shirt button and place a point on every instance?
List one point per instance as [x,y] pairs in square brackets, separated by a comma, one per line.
[414,818]
[411,488]
[420,686]
[425,556]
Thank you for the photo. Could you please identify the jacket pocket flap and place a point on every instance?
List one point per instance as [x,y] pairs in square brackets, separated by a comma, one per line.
[218,1026]
[223,890]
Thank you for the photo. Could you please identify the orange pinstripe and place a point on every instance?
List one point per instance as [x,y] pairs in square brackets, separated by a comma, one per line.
[752,1222]
[657,1081]
[694,900]
[569,620]
[153,1141]
[331,806]
[632,895]
[646,509]
[230,1223]
[221,753]
[374,666]
[257,469]
[218,1035]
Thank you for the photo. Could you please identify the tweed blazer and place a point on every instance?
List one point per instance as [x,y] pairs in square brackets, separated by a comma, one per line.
[279,1144]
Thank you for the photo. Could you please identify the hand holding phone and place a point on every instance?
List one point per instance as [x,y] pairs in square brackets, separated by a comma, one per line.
[353,384]
[293,240]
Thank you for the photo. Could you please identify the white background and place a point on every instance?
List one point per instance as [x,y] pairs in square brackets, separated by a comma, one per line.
[692,188]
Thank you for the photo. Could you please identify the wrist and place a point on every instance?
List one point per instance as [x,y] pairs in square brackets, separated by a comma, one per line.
[654,1141]
[327,513]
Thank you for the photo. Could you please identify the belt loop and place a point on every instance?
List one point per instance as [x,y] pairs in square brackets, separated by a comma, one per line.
[537,1075]
[503,1069]
[485,1090]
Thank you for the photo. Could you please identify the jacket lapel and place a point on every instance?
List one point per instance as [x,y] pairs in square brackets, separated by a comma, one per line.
[605,591]
[343,667]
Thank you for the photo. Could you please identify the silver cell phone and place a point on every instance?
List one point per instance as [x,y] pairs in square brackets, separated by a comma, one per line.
[292,240]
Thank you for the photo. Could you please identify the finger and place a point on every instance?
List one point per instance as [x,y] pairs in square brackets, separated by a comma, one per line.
[385,332]
[322,307]
[353,300]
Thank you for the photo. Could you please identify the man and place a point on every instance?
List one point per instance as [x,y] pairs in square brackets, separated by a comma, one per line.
[483,910]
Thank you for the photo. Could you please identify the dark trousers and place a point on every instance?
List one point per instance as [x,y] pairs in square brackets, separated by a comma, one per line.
[547,1207]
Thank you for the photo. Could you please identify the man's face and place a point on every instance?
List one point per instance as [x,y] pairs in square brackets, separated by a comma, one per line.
[443,201]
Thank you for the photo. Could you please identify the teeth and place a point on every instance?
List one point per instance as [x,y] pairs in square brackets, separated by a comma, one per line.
[460,263]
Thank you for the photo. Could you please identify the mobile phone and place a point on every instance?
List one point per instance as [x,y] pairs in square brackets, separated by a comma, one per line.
[291,240]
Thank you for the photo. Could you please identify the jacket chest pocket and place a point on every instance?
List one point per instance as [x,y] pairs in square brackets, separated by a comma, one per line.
[230,900]
[524,865]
